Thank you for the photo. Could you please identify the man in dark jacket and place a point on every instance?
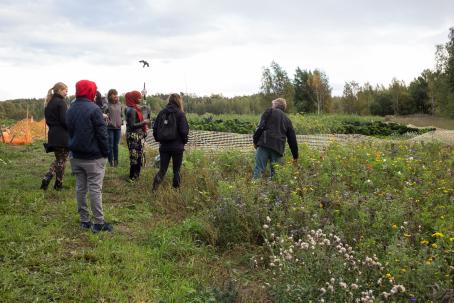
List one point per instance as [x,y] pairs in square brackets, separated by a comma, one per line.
[270,136]
[88,144]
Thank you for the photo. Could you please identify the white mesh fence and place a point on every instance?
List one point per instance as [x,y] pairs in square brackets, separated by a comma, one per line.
[220,140]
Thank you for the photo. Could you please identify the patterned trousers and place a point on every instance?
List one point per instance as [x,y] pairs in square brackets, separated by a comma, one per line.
[135,141]
[57,168]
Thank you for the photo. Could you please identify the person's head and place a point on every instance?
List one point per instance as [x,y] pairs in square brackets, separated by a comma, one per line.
[280,103]
[112,95]
[86,89]
[176,100]
[59,88]
[133,98]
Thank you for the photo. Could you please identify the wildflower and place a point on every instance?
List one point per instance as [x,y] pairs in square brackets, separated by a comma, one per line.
[438,235]
[343,284]
[265,226]
[435,246]
[424,242]
[354,286]
[268,219]
[323,290]
[389,276]
[451,239]
[394,226]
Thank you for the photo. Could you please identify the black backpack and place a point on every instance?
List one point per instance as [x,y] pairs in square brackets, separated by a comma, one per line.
[167,127]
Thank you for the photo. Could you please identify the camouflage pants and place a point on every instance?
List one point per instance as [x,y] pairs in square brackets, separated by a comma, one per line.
[57,168]
[135,141]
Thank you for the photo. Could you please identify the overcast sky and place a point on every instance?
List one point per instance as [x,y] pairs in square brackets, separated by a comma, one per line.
[213,46]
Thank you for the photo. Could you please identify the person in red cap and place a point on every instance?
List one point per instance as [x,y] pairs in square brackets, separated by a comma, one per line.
[88,144]
[136,131]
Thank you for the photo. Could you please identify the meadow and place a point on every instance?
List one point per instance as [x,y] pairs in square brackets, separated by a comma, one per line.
[360,223]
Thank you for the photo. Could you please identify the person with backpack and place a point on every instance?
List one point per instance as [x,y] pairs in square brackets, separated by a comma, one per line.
[136,131]
[57,139]
[270,136]
[171,130]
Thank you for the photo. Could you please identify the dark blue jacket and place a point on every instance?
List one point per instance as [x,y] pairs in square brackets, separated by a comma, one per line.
[182,126]
[87,130]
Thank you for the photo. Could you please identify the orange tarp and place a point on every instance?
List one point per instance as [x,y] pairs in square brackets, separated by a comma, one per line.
[24,132]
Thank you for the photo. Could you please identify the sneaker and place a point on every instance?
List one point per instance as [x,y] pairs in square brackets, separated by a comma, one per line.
[96,228]
[85,225]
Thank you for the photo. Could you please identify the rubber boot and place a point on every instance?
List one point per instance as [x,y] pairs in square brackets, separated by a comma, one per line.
[45,184]
[58,185]
[132,169]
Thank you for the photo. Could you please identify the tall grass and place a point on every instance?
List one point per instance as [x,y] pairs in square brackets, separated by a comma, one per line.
[226,238]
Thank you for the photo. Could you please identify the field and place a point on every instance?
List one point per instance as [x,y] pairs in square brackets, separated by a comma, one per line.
[368,222]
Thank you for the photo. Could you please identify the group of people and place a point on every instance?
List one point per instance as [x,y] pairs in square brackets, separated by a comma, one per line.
[89,132]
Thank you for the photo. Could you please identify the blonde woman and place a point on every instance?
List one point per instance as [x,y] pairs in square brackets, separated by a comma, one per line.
[57,138]
[171,130]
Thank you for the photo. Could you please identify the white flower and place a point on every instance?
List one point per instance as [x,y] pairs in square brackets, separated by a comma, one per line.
[265,226]
[354,286]
[268,219]
[343,284]
[323,290]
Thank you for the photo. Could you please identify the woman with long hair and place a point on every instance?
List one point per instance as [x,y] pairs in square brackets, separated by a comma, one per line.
[171,147]
[57,138]
[136,131]
[114,122]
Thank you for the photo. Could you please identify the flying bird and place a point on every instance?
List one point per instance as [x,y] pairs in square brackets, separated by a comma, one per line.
[145,63]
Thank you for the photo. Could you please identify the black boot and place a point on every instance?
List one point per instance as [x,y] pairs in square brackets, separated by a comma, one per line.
[58,185]
[156,182]
[132,169]
[115,163]
[137,171]
[45,184]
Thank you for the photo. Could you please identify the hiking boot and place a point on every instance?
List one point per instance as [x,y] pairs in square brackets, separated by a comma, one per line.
[85,225]
[45,184]
[96,228]
[58,185]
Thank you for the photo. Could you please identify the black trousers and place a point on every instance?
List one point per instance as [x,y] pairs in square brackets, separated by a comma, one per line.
[177,159]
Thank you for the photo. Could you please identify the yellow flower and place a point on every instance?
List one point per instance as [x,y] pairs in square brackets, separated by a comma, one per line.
[451,239]
[424,242]
[407,235]
[438,235]
[389,276]
[394,226]
[434,245]
[403,270]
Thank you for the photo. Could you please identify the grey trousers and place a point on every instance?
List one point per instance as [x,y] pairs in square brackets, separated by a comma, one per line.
[89,177]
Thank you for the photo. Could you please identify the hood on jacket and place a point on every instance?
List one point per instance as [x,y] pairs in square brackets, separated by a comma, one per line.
[133,98]
[87,89]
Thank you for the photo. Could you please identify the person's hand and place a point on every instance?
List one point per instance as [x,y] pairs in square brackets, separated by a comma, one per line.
[147,122]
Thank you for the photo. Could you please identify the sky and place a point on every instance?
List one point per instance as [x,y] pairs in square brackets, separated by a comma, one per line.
[206,47]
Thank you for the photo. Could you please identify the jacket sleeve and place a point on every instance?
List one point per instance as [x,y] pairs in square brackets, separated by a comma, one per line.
[259,130]
[100,129]
[131,119]
[183,127]
[291,137]
[62,114]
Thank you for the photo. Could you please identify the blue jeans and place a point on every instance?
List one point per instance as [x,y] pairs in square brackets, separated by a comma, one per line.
[114,140]
[262,155]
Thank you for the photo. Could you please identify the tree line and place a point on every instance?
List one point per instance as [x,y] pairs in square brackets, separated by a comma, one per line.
[432,92]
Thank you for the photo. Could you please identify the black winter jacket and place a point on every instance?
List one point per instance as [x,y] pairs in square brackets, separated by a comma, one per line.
[87,130]
[55,113]
[182,126]
[275,127]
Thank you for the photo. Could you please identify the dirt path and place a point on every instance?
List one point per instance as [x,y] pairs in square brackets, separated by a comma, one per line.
[441,135]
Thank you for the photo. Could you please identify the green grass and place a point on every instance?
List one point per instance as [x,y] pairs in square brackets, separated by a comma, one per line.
[208,241]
